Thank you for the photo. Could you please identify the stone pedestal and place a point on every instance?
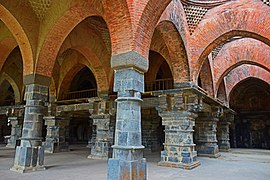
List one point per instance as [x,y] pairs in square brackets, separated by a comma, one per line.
[223,134]
[102,143]
[16,131]
[178,112]
[127,162]
[56,134]
[30,154]
[206,134]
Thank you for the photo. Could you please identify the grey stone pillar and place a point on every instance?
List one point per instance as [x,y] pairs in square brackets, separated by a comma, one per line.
[2,123]
[56,134]
[16,131]
[100,148]
[150,124]
[92,135]
[30,154]
[178,113]
[127,162]
[206,133]
[224,132]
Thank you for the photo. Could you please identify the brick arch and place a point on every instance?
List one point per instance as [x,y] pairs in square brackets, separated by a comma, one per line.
[206,77]
[21,38]
[17,93]
[81,57]
[96,67]
[221,92]
[243,72]
[148,13]
[6,47]
[238,52]
[64,85]
[76,14]
[155,61]
[177,51]
[242,18]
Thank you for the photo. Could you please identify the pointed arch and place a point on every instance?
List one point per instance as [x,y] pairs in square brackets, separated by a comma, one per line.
[224,22]
[21,38]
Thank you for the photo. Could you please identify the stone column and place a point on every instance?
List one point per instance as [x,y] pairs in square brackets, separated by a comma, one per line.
[206,133]
[2,123]
[150,123]
[16,130]
[100,148]
[127,162]
[30,154]
[178,112]
[91,135]
[56,134]
[224,132]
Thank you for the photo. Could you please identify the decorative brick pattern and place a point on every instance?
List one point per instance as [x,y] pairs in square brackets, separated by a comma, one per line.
[267,2]
[194,15]
[40,7]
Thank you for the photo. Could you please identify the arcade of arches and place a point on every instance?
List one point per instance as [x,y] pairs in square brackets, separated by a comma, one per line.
[185,78]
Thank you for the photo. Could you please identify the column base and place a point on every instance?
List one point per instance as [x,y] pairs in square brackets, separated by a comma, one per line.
[56,147]
[98,157]
[100,150]
[27,169]
[28,159]
[127,170]
[11,146]
[208,151]
[224,149]
[186,166]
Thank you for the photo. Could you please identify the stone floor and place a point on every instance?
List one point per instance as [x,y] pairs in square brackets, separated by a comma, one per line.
[238,164]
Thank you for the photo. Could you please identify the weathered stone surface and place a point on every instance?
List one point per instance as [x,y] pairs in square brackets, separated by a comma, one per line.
[127,161]
[16,131]
[30,154]
[206,133]
[56,134]
[178,112]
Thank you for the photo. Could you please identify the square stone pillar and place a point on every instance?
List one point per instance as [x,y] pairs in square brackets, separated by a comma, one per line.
[100,148]
[150,124]
[56,134]
[3,121]
[178,112]
[92,135]
[223,134]
[206,133]
[30,154]
[127,162]
[102,117]
[16,131]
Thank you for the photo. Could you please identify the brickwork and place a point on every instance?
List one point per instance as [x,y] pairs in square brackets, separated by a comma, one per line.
[233,54]
[217,44]
[243,72]
[219,20]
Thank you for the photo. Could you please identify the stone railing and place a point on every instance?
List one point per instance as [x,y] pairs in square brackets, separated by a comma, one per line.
[160,84]
[81,94]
